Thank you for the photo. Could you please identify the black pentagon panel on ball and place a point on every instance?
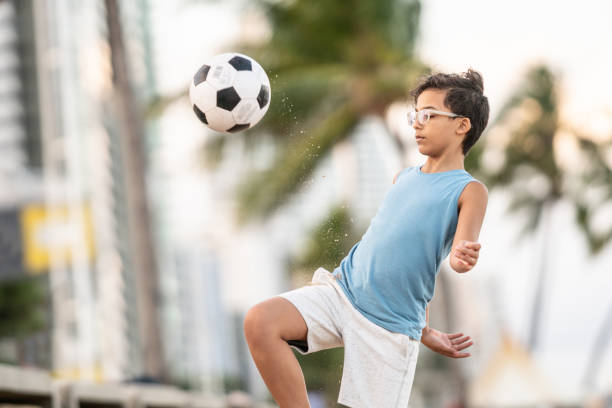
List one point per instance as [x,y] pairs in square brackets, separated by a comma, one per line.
[238,128]
[264,96]
[201,75]
[240,63]
[227,98]
[200,114]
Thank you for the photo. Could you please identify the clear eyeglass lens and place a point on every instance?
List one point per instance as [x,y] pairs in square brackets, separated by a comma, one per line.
[411,117]
[423,117]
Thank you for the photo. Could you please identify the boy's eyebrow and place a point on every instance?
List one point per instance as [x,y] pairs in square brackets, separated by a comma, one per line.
[426,107]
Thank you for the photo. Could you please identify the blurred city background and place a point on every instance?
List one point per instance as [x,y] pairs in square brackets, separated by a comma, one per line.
[133,239]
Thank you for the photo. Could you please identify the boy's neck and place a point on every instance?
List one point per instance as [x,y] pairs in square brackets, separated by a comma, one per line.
[440,164]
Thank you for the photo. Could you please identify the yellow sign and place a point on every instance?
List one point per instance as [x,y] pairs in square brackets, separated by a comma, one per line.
[58,233]
[95,373]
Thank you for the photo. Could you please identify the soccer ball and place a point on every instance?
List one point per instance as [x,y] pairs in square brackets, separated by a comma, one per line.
[230,92]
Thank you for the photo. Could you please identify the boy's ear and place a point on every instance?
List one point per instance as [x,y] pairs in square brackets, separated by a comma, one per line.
[464,126]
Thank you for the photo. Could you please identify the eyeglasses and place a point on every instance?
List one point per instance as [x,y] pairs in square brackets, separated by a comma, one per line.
[424,114]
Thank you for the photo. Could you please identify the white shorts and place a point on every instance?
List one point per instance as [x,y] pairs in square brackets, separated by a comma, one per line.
[379,365]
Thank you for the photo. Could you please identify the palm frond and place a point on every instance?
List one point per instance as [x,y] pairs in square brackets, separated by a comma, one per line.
[320,31]
[596,241]
[531,118]
[263,193]
[301,93]
[327,243]
[596,174]
[539,84]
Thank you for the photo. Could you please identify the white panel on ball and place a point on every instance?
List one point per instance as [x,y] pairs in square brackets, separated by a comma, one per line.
[203,96]
[262,76]
[220,119]
[247,84]
[221,76]
[246,110]
[257,115]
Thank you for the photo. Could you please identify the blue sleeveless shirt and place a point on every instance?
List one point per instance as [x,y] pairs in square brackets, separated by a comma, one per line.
[389,274]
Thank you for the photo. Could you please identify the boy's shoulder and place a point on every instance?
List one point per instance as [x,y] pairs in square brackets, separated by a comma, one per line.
[474,192]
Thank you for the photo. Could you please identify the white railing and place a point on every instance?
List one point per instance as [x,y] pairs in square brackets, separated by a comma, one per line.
[34,387]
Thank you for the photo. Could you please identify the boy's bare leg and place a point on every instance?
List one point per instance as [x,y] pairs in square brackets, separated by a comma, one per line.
[267,327]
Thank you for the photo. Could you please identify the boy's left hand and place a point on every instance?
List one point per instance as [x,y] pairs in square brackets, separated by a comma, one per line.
[446,344]
[466,254]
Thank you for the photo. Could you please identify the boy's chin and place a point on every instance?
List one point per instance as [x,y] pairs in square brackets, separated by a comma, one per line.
[424,151]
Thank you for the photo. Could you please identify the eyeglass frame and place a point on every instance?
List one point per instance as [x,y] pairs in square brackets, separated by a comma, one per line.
[429,112]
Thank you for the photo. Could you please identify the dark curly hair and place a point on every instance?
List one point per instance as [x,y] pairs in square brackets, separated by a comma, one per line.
[464,97]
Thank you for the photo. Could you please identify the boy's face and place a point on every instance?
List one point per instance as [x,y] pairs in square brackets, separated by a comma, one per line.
[440,134]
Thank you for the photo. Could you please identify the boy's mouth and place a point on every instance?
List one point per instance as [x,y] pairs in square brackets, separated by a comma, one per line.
[419,137]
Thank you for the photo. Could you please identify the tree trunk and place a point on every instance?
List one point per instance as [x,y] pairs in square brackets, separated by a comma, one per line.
[132,135]
[538,301]
[599,347]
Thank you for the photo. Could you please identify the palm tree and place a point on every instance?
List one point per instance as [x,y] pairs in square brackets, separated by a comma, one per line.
[529,124]
[597,175]
[331,64]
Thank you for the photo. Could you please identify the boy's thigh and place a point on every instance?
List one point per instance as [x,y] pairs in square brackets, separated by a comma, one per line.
[321,308]
[379,366]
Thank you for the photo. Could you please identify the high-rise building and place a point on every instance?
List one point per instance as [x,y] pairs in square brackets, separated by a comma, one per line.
[20,178]
[64,162]
[62,173]
[19,116]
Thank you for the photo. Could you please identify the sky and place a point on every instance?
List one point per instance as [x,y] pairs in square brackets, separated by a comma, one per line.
[501,40]
[498,38]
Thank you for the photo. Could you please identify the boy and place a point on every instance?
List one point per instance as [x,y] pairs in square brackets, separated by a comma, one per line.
[375,303]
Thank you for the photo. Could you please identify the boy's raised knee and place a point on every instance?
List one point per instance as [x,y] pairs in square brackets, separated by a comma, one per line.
[257,324]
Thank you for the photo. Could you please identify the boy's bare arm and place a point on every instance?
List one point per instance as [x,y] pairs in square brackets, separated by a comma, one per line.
[465,249]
